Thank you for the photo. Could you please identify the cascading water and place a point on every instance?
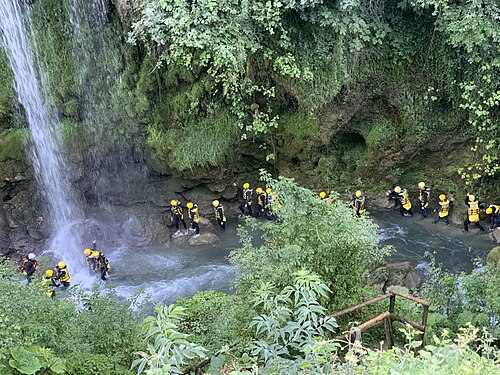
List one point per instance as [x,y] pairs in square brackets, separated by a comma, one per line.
[43,141]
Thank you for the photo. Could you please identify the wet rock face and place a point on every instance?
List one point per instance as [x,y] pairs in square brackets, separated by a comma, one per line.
[4,233]
[392,274]
[495,235]
[204,239]
[494,256]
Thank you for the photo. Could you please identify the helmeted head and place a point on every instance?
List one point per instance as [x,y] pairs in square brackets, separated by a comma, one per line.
[442,197]
[269,190]
[489,211]
[61,264]
[189,205]
[31,256]
[358,193]
[246,185]
[472,198]
[215,203]
[397,189]
[173,202]
[322,195]
[421,185]
[87,252]
[49,273]
[258,190]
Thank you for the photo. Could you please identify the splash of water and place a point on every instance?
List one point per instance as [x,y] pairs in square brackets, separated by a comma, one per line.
[43,142]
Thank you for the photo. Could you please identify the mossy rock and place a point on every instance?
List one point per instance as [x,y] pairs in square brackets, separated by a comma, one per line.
[6,89]
[494,256]
[12,155]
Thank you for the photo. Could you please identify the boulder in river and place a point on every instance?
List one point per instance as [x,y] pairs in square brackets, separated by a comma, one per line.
[495,235]
[204,239]
[494,256]
[398,273]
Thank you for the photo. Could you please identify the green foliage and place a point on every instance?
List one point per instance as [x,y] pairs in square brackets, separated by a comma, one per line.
[6,89]
[311,234]
[214,319]
[202,142]
[290,322]
[12,145]
[301,125]
[51,333]
[53,34]
[168,349]
[457,300]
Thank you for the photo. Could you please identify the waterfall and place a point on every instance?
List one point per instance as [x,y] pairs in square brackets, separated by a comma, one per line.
[43,143]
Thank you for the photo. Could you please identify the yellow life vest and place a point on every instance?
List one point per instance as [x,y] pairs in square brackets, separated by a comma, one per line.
[66,278]
[473,212]
[247,195]
[177,210]
[219,212]
[194,214]
[445,208]
[360,203]
[421,196]
[405,201]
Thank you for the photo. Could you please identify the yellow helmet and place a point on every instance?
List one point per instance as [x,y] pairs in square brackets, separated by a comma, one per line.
[322,194]
[49,273]
[258,190]
[358,193]
[489,211]
[472,198]
[215,203]
[87,252]
[189,205]
[397,189]
[173,202]
[421,185]
[269,190]
[61,264]
[246,185]
[442,197]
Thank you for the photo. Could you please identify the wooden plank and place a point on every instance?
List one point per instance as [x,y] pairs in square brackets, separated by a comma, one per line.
[410,297]
[374,321]
[403,320]
[389,342]
[359,306]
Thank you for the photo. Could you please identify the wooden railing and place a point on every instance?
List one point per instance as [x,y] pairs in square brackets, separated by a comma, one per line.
[386,318]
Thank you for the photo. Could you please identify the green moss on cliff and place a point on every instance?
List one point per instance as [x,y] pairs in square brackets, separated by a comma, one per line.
[53,36]
[6,90]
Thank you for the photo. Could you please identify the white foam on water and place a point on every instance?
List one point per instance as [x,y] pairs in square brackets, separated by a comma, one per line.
[386,234]
[184,285]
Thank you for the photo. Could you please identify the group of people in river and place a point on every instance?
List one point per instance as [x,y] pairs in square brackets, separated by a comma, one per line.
[258,202]
[251,205]
[59,276]
[474,207]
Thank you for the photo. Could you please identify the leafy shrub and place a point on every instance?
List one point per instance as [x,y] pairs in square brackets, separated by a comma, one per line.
[311,234]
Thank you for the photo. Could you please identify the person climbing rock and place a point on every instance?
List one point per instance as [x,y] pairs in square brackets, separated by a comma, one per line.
[472,213]
[404,200]
[178,216]
[424,196]
[49,283]
[62,274]
[28,266]
[443,211]
[359,203]
[494,211]
[220,216]
[247,195]
[194,216]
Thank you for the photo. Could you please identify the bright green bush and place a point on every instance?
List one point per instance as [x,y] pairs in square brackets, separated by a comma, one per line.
[311,234]
[104,332]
